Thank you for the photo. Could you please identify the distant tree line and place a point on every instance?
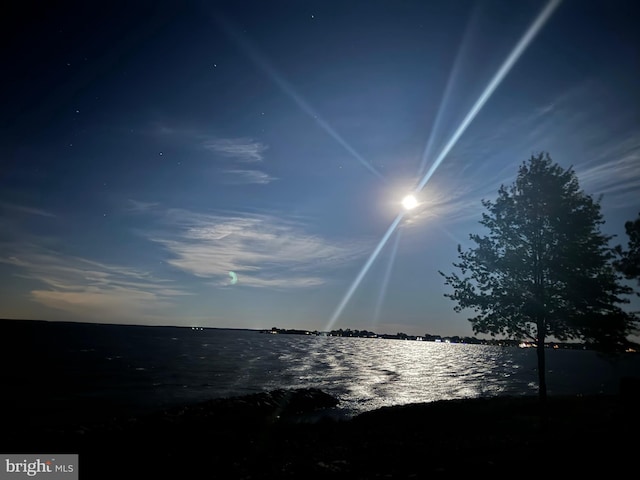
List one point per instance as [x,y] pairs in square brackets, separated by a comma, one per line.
[504,342]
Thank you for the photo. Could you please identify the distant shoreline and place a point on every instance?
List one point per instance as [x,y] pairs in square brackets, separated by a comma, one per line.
[346,333]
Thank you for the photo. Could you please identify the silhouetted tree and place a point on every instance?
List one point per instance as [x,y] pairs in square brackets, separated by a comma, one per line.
[629,263]
[544,269]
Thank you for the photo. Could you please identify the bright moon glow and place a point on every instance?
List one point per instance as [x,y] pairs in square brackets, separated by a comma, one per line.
[409,202]
[515,54]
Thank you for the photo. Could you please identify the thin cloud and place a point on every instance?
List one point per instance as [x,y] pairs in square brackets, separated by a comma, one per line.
[244,150]
[135,206]
[606,156]
[456,204]
[545,109]
[89,289]
[240,149]
[243,177]
[462,183]
[263,250]
[236,152]
[615,173]
[26,210]
[277,282]
[610,159]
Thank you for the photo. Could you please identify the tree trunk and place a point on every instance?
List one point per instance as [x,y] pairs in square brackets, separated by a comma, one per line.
[542,378]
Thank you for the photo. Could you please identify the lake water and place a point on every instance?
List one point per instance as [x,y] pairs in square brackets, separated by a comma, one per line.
[81,371]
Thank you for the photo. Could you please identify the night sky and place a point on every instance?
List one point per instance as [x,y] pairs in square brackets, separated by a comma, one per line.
[148,149]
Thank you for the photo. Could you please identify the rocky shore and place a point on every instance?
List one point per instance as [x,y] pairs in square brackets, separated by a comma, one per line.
[285,434]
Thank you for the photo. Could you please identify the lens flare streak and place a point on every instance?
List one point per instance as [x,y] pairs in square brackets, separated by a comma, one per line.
[504,69]
[259,60]
[508,64]
[387,275]
[363,272]
[443,103]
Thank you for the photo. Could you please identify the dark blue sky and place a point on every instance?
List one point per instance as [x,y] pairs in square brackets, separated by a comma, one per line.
[150,148]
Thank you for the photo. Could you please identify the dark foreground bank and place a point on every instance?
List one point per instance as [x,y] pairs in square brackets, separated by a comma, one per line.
[284,435]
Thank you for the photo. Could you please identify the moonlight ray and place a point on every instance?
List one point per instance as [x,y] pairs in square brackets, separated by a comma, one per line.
[288,89]
[444,101]
[387,276]
[504,69]
[363,272]
[508,64]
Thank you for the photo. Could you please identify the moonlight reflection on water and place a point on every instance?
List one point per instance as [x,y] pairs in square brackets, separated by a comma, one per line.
[371,373]
[91,366]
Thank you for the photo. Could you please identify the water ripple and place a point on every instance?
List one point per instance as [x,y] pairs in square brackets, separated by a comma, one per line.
[156,370]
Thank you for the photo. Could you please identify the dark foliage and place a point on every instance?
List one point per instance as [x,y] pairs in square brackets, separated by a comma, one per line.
[629,262]
[544,269]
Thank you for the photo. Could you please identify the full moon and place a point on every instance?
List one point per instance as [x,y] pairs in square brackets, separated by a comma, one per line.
[409,202]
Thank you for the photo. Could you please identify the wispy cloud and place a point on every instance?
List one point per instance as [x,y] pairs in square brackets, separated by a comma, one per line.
[26,210]
[264,250]
[233,152]
[460,202]
[89,289]
[135,206]
[614,171]
[246,150]
[584,120]
[242,177]
[592,121]
[545,109]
